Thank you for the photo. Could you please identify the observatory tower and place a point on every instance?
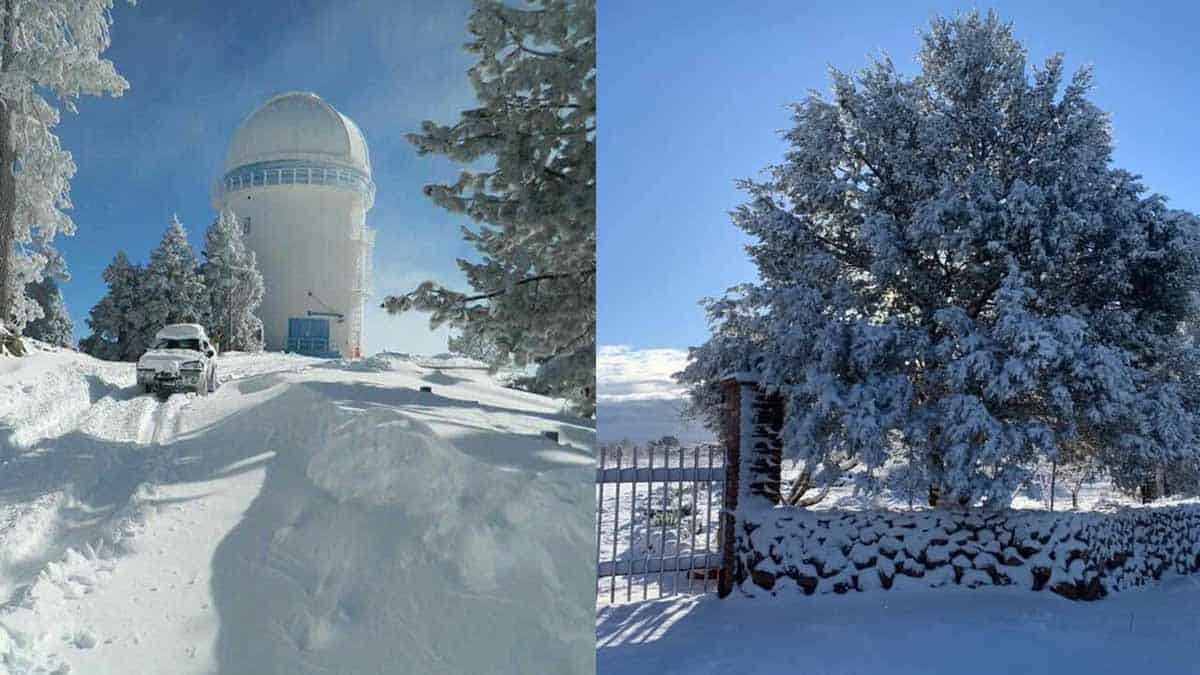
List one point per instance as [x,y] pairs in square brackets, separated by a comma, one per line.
[298,177]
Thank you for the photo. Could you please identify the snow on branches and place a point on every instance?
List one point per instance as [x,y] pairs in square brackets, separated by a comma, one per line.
[173,288]
[118,324]
[955,281]
[54,326]
[234,284]
[50,48]
[534,288]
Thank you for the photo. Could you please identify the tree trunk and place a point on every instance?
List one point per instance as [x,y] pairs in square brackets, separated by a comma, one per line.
[1053,482]
[8,181]
[1149,491]
[941,497]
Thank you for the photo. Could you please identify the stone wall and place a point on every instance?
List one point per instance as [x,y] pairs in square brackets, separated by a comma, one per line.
[1080,556]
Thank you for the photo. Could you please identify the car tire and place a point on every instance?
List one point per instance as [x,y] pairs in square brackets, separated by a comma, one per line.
[148,388]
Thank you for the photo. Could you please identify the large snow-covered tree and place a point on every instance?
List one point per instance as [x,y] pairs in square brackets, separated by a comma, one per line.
[534,294]
[54,325]
[235,286]
[956,282]
[171,289]
[117,321]
[51,51]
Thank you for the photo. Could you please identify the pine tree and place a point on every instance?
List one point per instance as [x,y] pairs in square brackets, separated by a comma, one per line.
[235,286]
[955,278]
[474,345]
[51,48]
[172,290]
[117,321]
[534,291]
[43,261]
[54,326]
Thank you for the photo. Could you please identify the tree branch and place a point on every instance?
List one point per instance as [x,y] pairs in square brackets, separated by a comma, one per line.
[528,280]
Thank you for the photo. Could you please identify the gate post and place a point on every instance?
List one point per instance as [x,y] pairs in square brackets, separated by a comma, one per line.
[751,422]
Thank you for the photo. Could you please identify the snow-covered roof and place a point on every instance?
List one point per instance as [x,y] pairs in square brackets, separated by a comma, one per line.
[298,126]
[180,331]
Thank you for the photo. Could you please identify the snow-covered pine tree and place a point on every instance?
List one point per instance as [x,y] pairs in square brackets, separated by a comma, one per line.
[235,286]
[954,277]
[117,322]
[54,326]
[534,291]
[474,345]
[51,49]
[49,263]
[172,290]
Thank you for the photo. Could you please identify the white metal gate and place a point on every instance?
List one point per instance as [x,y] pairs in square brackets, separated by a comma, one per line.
[657,511]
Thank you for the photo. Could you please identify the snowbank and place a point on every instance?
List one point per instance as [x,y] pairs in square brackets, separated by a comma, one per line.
[1077,555]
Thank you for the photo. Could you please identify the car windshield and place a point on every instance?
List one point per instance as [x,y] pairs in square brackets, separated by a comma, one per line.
[192,344]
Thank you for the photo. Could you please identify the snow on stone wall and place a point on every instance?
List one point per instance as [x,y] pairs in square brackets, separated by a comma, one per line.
[1081,556]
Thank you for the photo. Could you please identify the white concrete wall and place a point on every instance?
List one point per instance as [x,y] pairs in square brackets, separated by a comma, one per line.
[305,240]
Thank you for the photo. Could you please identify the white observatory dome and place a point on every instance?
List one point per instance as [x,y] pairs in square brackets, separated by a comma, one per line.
[298,126]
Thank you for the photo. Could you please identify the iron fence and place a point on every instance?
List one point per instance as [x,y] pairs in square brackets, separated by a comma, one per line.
[657,512]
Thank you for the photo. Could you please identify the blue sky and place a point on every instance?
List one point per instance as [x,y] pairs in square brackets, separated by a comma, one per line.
[197,69]
[691,100]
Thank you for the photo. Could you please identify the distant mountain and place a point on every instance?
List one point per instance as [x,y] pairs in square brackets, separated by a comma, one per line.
[642,420]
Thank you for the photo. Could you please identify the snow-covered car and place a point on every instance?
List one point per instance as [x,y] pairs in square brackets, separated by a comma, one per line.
[182,358]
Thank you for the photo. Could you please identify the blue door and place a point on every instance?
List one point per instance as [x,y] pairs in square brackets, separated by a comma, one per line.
[309,337]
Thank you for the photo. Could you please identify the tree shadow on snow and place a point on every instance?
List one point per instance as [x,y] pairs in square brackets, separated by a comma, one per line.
[477,429]
[374,546]
[441,378]
[402,396]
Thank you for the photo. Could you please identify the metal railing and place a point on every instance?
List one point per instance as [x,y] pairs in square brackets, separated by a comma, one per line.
[295,172]
[657,512]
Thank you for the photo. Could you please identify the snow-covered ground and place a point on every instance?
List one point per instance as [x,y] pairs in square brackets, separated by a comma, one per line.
[952,630]
[909,631]
[310,517]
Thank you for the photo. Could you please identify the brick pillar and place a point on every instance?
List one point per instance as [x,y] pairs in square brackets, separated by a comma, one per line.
[750,431]
[730,438]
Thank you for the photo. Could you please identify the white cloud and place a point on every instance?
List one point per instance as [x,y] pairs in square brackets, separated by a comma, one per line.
[626,374]
[637,400]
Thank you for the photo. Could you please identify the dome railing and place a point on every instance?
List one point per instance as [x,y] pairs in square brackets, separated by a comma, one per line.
[296,172]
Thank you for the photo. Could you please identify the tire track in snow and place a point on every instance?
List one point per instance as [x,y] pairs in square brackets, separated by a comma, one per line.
[146,422]
[131,417]
[84,427]
[165,418]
